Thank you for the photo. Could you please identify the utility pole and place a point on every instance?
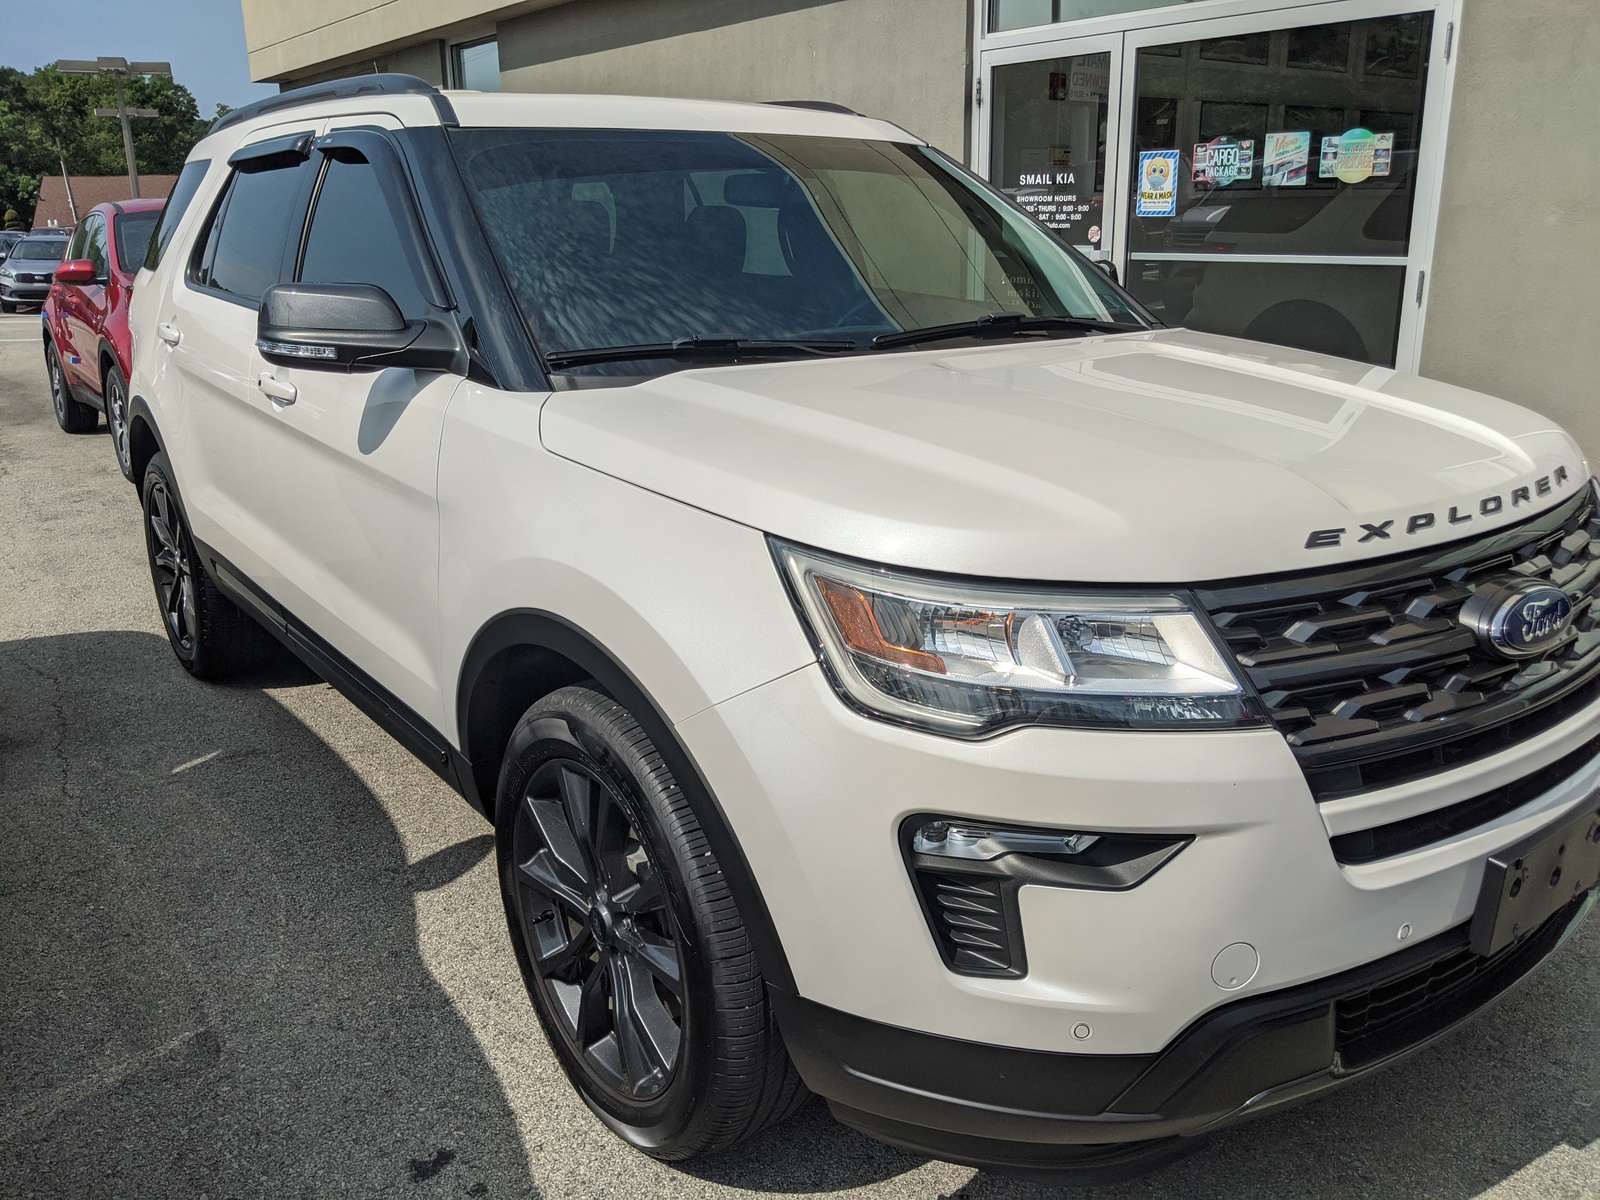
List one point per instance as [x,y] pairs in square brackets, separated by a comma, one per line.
[119,69]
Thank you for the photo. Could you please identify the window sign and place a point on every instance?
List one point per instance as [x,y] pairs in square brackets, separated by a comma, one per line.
[1356,154]
[1158,183]
[1222,161]
[1054,197]
[1285,158]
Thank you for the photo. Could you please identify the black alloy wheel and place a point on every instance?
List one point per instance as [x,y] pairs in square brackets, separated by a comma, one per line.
[116,395]
[209,634]
[596,929]
[71,415]
[173,568]
[633,951]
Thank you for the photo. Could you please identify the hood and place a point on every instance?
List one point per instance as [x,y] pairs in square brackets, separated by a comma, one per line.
[1168,457]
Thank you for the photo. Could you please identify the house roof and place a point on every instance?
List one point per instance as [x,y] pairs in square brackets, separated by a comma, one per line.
[88,191]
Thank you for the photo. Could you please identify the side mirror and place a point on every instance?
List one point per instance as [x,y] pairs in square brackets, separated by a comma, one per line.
[76,270]
[347,325]
[1107,268]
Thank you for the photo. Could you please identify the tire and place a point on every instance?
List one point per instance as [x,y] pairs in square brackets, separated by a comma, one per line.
[611,889]
[7,307]
[211,637]
[115,390]
[70,414]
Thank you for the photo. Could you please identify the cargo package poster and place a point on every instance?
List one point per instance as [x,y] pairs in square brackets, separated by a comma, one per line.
[1224,161]
[1158,184]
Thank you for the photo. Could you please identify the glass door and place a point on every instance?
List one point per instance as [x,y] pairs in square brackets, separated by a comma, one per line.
[1048,137]
[1271,176]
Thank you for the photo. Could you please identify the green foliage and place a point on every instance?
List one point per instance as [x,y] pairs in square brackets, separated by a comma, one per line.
[47,120]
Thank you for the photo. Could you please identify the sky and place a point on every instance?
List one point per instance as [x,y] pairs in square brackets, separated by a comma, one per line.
[202,39]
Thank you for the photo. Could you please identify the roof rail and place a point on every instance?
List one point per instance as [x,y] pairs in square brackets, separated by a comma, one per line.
[819,105]
[389,84]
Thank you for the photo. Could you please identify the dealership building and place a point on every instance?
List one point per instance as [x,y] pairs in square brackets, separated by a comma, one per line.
[1406,182]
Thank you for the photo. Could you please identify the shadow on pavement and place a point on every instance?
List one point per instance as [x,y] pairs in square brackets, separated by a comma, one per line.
[211,979]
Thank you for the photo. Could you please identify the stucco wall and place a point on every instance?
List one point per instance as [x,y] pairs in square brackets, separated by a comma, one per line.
[301,40]
[904,60]
[1513,309]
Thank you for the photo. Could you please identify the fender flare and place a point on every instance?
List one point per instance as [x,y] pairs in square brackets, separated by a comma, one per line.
[108,350]
[139,414]
[540,630]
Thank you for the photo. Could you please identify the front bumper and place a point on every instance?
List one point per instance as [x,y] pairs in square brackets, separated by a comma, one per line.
[1122,1031]
[1102,1117]
[24,293]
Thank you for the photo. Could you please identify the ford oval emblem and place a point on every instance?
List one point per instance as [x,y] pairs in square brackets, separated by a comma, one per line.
[1519,618]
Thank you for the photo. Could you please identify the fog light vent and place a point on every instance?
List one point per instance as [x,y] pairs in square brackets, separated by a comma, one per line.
[969,918]
[968,873]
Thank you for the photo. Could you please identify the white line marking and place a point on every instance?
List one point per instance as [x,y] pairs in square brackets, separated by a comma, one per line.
[195,762]
[57,1100]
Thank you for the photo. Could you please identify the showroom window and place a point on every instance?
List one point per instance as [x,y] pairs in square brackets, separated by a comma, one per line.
[1019,14]
[475,66]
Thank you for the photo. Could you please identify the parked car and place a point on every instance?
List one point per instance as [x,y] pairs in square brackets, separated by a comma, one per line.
[87,346]
[894,665]
[8,239]
[27,270]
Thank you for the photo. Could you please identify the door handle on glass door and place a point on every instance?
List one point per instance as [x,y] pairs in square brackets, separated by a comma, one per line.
[281,392]
[168,333]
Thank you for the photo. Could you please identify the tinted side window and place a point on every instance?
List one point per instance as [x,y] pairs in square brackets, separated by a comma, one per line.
[80,238]
[133,232]
[245,254]
[95,248]
[355,237]
[177,204]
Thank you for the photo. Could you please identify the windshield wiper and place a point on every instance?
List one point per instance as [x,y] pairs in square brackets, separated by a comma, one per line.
[998,325]
[713,347]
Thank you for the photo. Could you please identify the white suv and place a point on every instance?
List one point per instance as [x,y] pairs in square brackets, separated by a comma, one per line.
[895,666]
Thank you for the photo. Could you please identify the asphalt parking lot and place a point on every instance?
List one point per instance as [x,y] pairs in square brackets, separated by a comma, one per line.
[248,947]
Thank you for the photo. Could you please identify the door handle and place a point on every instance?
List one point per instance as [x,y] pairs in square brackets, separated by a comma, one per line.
[168,334]
[281,392]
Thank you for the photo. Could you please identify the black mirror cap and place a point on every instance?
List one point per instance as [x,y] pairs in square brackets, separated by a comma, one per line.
[1107,268]
[342,326]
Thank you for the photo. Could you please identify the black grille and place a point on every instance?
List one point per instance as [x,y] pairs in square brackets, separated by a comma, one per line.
[1370,676]
[1372,1024]
[1398,837]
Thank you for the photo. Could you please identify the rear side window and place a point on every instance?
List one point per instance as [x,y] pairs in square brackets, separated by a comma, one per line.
[244,253]
[133,232]
[355,237]
[177,204]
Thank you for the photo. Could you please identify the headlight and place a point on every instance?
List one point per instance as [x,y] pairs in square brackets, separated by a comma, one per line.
[969,658]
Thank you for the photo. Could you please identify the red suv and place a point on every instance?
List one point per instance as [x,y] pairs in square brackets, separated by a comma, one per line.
[87,348]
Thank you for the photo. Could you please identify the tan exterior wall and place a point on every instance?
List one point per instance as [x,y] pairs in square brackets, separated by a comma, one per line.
[1513,307]
[903,60]
[304,40]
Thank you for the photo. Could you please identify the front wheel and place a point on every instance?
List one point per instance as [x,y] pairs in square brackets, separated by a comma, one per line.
[632,949]
[71,415]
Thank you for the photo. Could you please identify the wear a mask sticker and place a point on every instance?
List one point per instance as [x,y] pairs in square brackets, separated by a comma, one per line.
[1158,184]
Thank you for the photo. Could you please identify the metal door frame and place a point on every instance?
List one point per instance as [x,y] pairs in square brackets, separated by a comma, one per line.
[1125,33]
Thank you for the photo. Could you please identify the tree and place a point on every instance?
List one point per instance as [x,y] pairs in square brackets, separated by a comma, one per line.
[47,125]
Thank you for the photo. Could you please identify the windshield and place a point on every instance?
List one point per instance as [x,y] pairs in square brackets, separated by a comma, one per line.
[631,237]
[39,249]
[133,237]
